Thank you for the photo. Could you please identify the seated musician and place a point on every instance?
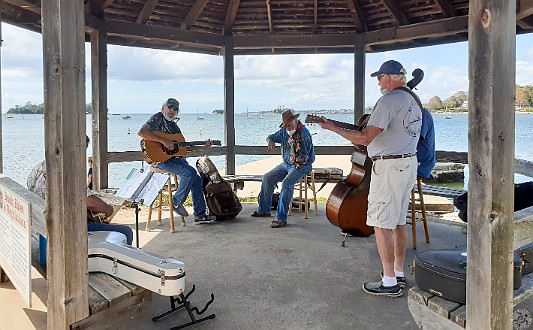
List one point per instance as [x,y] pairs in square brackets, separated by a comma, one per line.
[298,157]
[37,184]
[165,121]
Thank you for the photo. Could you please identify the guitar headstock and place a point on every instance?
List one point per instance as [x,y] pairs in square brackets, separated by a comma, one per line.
[313,119]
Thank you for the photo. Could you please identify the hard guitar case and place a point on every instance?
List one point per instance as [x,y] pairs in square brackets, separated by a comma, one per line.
[219,196]
[108,253]
[443,273]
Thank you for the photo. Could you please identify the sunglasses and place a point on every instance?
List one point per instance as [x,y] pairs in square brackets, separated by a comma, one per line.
[381,76]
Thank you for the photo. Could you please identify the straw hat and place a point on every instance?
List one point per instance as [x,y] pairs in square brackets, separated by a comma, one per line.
[288,117]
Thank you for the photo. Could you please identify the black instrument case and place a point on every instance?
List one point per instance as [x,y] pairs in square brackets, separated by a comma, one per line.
[443,272]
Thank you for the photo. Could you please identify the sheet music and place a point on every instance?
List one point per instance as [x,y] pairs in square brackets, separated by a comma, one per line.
[134,180]
[152,188]
[142,186]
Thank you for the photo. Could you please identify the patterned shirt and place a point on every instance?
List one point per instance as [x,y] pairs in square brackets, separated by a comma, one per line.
[158,123]
[37,180]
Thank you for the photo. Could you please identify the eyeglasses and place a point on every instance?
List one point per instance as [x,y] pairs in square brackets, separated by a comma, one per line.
[381,76]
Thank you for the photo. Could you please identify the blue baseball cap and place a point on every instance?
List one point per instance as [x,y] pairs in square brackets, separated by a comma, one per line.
[390,67]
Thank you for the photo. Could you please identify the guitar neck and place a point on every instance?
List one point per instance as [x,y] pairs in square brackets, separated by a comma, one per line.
[344,125]
[188,144]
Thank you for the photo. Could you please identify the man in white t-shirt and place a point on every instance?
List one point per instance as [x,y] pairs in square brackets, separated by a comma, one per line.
[391,137]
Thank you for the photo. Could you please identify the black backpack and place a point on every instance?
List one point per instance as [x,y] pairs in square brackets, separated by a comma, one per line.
[523,198]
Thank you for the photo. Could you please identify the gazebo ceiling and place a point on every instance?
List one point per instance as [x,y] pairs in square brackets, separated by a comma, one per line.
[272,26]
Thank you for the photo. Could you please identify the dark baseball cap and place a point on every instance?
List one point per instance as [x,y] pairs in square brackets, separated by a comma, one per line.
[390,67]
[172,103]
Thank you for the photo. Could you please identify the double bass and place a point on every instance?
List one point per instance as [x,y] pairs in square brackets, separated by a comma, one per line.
[348,202]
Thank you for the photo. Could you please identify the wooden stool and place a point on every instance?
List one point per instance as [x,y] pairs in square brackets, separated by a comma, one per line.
[307,182]
[167,190]
[422,209]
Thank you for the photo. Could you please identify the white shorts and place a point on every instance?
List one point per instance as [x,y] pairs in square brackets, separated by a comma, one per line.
[390,191]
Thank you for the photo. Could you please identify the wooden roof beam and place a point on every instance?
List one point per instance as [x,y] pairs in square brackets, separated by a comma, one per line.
[143,31]
[438,28]
[269,13]
[230,17]
[357,13]
[34,8]
[394,8]
[526,23]
[315,16]
[524,8]
[446,7]
[147,10]
[97,7]
[193,14]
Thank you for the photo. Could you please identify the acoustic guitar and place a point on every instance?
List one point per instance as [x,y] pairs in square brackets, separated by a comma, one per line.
[159,153]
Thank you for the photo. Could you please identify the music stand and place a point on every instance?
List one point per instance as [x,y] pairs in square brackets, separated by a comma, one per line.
[141,187]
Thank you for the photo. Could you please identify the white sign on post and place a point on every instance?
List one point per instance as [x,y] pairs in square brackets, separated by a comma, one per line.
[15,243]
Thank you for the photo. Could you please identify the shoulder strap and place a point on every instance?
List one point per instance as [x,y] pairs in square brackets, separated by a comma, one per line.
[405,89]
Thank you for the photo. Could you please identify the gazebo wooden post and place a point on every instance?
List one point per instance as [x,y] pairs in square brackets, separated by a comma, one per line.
[491,118]
[99,115]
[229,105]
[64,99]
[3,275]
[359,76]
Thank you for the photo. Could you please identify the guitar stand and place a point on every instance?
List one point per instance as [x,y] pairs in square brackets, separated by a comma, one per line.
[183,302]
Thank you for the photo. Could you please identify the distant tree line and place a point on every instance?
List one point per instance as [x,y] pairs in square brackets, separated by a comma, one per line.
[524,96]
[30,108]
[524,99]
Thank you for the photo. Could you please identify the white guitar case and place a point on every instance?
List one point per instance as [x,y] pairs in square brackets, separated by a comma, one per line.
[109,253]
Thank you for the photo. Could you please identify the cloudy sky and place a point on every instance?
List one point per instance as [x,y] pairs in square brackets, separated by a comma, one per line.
[141,79]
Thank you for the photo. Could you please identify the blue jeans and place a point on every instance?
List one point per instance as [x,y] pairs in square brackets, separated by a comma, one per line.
[190,181]
[288,175]
[97,226]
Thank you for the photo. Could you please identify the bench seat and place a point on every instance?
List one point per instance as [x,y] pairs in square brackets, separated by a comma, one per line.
[111,300]
[433,312]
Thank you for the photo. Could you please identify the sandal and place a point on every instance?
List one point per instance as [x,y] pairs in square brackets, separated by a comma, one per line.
[258,214]
[277,224]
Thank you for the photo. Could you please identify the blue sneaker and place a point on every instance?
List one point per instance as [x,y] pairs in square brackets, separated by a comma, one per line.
[201,219]
[180,210]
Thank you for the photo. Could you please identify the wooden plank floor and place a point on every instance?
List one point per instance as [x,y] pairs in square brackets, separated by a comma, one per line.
[433,312]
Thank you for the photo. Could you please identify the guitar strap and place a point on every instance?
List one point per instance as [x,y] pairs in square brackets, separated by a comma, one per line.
[405,89]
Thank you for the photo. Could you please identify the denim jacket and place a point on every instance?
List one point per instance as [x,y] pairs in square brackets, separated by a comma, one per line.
[308,151]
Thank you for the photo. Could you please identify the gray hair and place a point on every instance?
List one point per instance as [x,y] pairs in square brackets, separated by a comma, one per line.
[398,77]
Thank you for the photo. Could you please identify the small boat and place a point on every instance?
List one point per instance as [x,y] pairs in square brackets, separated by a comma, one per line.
[446,115]
[9,116]
[126,117]
[198,118]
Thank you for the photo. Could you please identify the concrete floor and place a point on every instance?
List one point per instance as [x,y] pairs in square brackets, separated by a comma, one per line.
[290,278]
[296,277]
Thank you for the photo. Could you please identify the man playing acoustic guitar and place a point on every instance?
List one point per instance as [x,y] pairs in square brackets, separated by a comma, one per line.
[190,181]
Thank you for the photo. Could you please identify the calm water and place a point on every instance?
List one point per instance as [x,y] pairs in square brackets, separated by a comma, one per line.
[23,138]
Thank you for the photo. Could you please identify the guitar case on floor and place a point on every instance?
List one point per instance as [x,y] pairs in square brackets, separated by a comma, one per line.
[443,273]
[219,196]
